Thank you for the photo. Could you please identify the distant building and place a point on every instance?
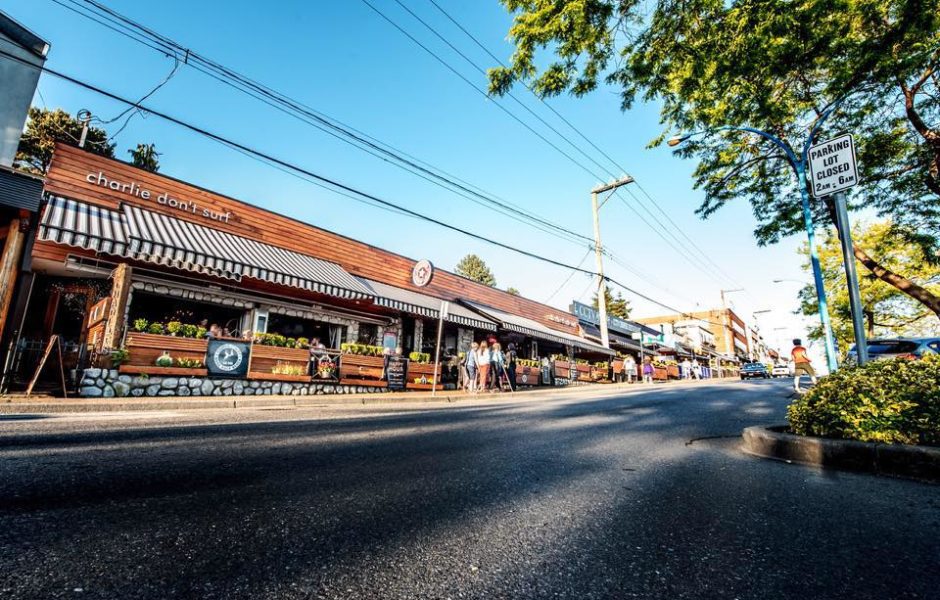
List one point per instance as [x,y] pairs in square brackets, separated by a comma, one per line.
[726,331]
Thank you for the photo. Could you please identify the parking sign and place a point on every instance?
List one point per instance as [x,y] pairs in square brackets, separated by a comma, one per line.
[832,166]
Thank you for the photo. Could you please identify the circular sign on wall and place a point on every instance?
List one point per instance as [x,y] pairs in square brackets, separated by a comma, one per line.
[228,357]
[422,272]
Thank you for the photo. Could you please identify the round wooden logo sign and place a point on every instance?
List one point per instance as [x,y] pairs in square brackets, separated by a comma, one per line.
[422,272]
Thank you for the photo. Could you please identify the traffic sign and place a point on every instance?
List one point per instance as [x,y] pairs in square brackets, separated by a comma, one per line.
[832,166]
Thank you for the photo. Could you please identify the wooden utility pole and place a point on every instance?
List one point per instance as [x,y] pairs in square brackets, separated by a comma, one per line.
[599,253]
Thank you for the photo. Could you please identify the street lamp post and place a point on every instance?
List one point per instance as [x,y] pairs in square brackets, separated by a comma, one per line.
[798,164]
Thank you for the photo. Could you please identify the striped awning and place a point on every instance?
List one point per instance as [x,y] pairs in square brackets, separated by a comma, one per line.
[535,329]
[83,225]
[423,305]
[141,234]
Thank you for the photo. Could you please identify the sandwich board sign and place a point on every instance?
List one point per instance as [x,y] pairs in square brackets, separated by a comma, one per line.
[832,166]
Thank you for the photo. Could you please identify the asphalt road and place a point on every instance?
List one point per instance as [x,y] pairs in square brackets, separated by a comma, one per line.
[642,494]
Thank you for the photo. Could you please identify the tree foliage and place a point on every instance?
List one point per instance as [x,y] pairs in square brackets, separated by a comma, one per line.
[617,306]
[145,156]
[46,127]
[775,65]
[472,267]
[512,291]
[887,310]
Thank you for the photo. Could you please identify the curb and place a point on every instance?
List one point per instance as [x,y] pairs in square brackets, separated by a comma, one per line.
[896,460]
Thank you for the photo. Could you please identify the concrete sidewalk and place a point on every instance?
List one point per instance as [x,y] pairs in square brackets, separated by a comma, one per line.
[40,405]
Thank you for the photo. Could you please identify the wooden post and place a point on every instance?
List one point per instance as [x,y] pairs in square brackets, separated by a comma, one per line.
[120,290]
[9,261]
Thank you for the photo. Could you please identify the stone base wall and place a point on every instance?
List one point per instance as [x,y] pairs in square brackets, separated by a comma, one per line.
[108,383]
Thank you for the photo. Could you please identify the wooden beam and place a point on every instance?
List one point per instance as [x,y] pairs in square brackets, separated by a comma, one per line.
[120,289]
[9,267]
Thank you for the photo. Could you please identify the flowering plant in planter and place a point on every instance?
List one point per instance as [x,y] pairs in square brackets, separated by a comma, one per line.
[189,363]
[164,360]
[326,368]
[420,357]
[283,368]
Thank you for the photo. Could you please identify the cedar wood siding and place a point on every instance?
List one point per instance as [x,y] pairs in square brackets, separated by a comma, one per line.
[67,177]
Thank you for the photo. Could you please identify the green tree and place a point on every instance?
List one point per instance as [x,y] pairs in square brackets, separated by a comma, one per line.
[472,267]
[776,66]
[46,127]
[145,157]
[887,310]
[616,306]
[512,291]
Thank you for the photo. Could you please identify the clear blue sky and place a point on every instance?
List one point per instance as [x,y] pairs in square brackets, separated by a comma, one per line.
[344,60]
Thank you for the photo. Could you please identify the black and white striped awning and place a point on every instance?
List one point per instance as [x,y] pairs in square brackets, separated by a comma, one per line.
[141,234]
[419,304]
[83,226]
[535,329]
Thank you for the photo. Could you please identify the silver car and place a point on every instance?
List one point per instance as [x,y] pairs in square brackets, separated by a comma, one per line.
[885,348]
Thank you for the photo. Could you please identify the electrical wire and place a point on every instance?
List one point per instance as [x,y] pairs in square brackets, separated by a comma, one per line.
[331,183]
[110,18]
[698,263]
[587,139]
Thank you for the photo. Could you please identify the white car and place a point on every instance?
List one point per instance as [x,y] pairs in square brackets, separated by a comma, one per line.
[780,371]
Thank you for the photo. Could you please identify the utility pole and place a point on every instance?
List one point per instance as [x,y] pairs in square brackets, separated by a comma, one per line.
[599,254]
[730,336]
[84,115]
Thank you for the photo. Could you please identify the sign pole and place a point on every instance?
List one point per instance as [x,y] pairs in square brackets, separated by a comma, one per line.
[437,348]
[851,277]
[834,169]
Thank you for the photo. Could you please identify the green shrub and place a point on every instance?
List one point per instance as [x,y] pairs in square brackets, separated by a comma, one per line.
[893,401]
[420,357]
[141,325]
[156,328]
[173,327]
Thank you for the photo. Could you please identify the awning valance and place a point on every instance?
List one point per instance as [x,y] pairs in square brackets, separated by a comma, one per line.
[141,234]
[416,303]
[535,329]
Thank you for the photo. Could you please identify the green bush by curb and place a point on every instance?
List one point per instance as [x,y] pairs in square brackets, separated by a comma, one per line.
[892,401]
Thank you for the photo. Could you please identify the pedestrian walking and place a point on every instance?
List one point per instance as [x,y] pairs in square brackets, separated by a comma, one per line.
[470,385]
[497,365]
[686,368]
[647,370]
[802,365]
[696,369]
[629,369]
[511,365]
[483,366]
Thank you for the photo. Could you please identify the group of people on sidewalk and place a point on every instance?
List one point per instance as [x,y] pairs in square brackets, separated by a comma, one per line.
[628,370]
[489,368]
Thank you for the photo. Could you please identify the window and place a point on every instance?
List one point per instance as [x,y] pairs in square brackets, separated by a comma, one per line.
[368,334]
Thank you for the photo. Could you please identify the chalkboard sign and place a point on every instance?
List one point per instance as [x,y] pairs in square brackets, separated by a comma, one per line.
[396,372]
[228,358]
[546,374]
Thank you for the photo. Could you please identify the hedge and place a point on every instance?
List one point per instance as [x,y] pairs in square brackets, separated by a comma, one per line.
[891,401]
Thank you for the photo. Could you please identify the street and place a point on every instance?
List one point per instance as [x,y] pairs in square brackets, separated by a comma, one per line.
[604,493]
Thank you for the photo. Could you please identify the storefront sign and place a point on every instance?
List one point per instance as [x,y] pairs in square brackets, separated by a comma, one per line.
[396,372]
[561,320]
[422,273]
[228,358]
[133,189]
[590,315]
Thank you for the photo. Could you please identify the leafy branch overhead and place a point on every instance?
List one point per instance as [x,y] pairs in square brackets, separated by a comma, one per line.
[773,65]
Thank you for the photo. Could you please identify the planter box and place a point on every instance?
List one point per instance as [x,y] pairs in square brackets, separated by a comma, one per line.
[155,370]
[660,373]
[583,371]
[600,374]
[265,358]
[362,370]
[144,348]
[562,368]
[528,375]
[673,371]
[278,377]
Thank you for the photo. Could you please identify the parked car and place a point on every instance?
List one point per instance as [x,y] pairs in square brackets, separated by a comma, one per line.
[780,370]
[754,370]
[885,348]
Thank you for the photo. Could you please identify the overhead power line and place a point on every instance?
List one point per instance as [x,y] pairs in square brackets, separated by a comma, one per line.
[127,27]
[661,230]
[331,183]
[586,138]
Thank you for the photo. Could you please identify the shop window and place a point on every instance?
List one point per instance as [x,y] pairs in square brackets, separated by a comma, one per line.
[162,309]
[368,334]
[328,334]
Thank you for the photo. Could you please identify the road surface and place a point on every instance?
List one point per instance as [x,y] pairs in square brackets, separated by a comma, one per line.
[634,494]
